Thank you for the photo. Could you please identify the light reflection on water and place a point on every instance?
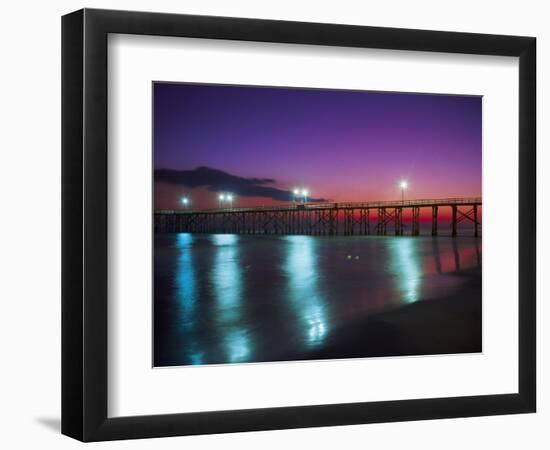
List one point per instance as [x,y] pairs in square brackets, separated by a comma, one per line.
[233,298]
[303,279]
[405,265]
[226,281]
[186,281]
[186,295]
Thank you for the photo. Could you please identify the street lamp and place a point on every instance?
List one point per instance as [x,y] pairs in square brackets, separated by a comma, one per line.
[403,185]
[221,198]
[305,193]
[185,202]
[229,198]
[296,193]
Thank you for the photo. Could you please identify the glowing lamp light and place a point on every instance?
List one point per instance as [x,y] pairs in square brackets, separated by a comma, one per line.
[222,197]
[229,197]
[403,184]
[300,194]
[185,200]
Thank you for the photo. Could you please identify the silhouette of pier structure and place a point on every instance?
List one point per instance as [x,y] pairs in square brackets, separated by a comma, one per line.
[342,218]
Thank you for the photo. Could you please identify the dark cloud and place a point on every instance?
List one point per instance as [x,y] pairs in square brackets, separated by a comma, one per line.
[219,181]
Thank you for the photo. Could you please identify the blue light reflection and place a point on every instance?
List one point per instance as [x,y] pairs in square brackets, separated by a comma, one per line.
[226,279]
[187,294]
[307,301]
[405,264]
[185,281]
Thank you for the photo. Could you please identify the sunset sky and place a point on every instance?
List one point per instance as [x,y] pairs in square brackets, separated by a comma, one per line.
[261,142]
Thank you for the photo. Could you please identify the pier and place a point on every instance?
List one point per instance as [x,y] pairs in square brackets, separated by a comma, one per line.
[330,219]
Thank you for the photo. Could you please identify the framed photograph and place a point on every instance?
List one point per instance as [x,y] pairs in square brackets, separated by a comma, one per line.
[273,224]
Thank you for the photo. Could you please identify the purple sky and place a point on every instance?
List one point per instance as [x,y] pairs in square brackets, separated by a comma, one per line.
[341,145]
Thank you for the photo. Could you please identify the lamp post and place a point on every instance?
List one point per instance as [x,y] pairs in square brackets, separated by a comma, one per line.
[229,198]
[403,185]
[185,202]
[296,193]
[221,198]
[305,193]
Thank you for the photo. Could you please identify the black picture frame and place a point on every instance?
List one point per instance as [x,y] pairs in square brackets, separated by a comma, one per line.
[84,224]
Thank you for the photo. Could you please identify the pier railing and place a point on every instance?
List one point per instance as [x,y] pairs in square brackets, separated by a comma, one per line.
[330,218]
[334,205]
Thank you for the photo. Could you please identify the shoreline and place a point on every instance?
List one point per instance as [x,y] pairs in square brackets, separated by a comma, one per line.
[448,325]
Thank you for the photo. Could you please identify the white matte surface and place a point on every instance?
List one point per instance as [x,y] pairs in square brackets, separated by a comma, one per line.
[135,388]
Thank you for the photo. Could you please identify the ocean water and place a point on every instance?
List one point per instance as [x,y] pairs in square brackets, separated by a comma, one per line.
[226,298]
